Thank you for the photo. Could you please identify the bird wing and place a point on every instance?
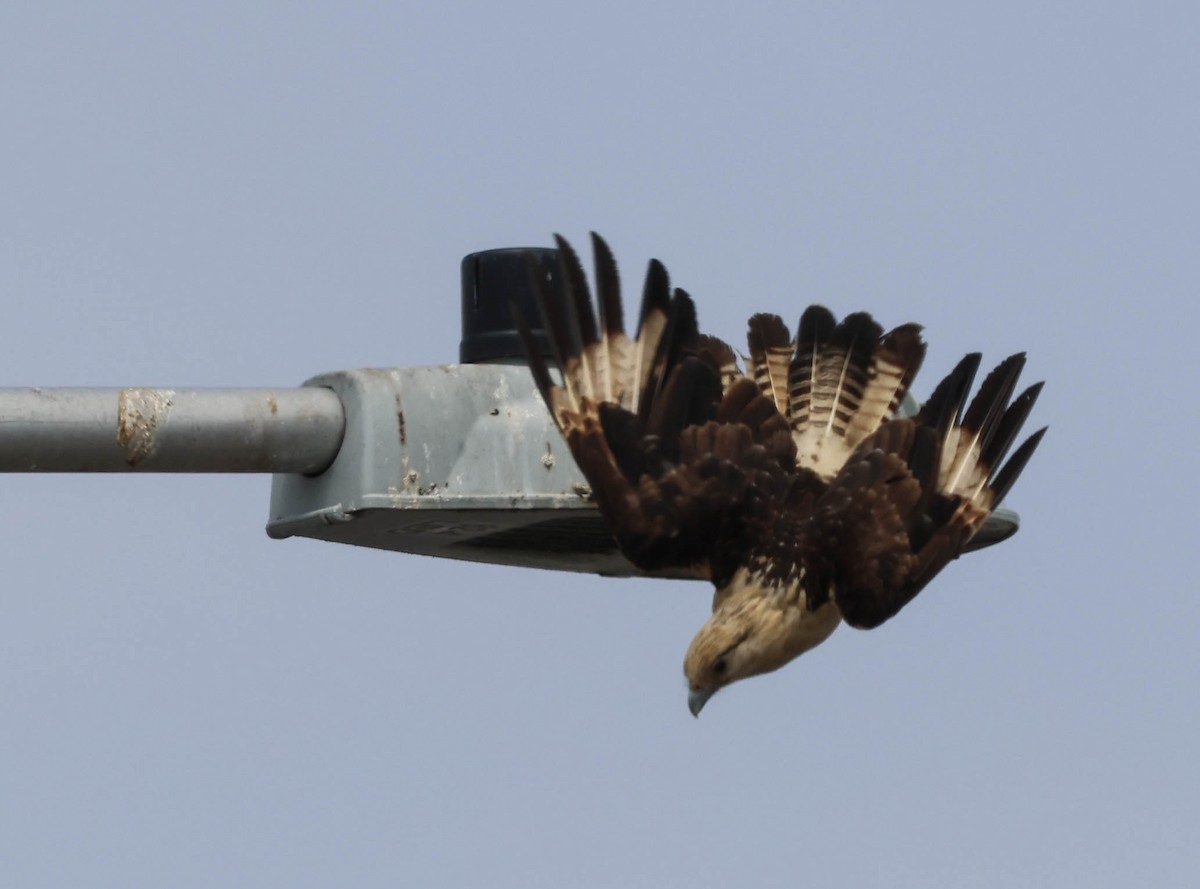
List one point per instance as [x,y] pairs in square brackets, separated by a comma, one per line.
[913,494]
[685,457]
[794,469]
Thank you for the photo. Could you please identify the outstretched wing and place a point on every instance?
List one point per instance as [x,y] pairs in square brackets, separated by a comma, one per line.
[911,497]
[686,458]
[701,468]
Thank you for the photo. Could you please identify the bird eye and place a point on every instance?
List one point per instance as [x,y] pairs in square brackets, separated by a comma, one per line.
[720,665]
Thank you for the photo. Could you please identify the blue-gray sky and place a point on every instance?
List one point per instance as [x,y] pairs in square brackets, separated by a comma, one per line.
[246,194]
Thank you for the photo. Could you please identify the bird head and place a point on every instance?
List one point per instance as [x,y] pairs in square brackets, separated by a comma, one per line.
[708,663]
[734,644]
[752,631]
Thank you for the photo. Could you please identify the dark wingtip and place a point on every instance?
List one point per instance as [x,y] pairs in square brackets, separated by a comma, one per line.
[1008,426]
[608,287]
[945,404]
[581,322]
[1012,469]
[656,293]
[548,308]
[679,339]
[984,415]
[533,354]
[719,351]
[683,312]
[1033,391]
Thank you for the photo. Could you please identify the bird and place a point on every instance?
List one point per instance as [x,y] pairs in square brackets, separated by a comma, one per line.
[787,480]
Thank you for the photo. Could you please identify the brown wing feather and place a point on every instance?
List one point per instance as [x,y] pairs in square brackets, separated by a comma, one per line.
[913,495]
[686,460]
[706,504]
[722,355]
[696,466]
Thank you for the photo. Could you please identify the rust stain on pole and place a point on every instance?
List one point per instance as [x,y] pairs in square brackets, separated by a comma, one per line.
[140,412]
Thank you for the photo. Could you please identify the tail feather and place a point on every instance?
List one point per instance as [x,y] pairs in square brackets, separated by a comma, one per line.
[816,327]
[771,350]
[848,363]
[895,362]
[844,382]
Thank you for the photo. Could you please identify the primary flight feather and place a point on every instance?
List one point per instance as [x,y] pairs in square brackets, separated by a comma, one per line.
[791,486]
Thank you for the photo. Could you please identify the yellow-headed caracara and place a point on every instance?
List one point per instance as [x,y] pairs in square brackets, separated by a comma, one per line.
[791,486]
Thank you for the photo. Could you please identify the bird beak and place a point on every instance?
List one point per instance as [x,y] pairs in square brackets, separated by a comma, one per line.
[697,698]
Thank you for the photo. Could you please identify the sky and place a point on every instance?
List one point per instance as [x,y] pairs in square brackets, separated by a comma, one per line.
[249,194]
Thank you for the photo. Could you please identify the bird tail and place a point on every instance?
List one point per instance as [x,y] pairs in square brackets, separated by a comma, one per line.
[836,383]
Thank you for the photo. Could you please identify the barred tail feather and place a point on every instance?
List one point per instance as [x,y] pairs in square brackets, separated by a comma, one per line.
[844,382]
[771,350]
[895,362]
